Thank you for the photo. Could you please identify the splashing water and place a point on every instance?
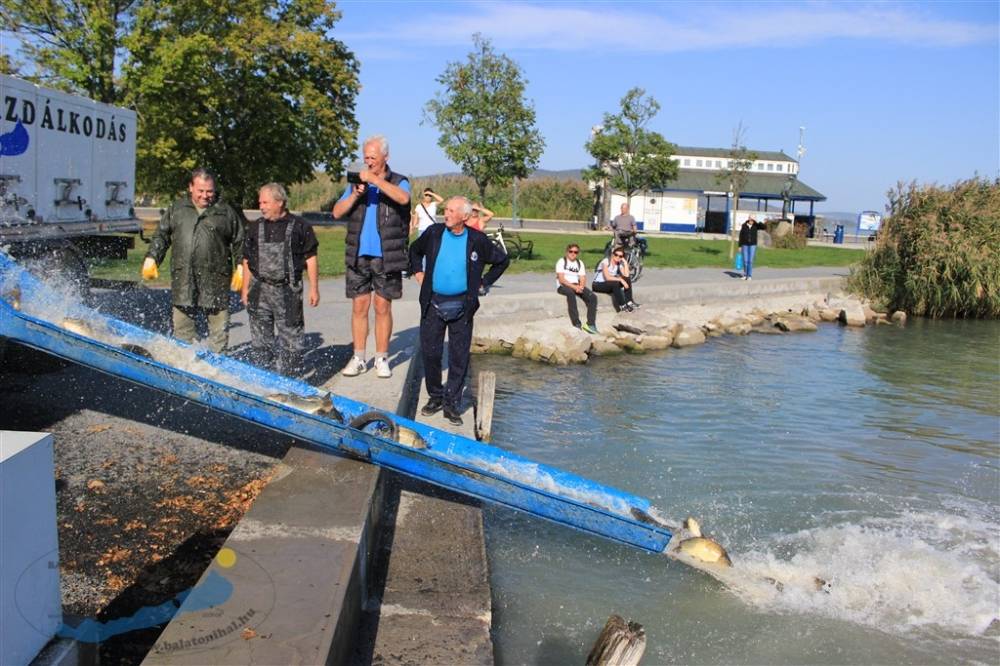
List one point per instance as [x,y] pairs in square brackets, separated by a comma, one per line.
[898,575]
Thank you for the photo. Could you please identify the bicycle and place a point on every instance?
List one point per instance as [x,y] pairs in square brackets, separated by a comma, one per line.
[633,254]
[510,245]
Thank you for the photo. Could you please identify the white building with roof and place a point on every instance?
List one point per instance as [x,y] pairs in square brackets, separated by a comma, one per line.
[697,200]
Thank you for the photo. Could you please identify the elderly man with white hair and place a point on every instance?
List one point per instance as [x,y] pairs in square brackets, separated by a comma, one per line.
[278,249]
[450,280]
[377,208]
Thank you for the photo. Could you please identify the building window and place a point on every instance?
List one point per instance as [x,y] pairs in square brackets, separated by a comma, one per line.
[697,163]
[718,164]
[770,167]
[760,167]
[687,162]
[780,167]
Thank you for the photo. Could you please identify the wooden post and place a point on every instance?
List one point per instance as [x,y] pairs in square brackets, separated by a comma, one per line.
[621,643]
[485,392]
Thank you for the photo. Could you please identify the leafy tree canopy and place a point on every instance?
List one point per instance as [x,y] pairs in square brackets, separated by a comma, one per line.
[486,125]
[734,177]
[256,90]
[635,157]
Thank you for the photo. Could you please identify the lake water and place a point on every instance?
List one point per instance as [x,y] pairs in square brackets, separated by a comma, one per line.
[867,457]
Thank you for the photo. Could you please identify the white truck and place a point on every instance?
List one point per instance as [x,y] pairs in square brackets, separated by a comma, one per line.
[67,178]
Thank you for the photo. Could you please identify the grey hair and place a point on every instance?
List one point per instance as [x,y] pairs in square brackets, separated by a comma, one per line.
[466,204]
[383,143]
[201,173]
[277,191]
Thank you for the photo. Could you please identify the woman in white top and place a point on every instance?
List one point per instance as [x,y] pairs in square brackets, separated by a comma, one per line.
[424,215]
[571,282]
[612,277]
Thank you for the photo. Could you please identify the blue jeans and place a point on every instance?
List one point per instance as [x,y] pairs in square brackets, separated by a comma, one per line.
[748,254]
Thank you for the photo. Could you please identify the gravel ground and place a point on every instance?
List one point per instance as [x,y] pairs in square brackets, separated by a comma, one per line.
[148,486]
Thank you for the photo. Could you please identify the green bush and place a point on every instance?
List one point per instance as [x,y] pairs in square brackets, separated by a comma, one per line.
[938,252]
[796,240]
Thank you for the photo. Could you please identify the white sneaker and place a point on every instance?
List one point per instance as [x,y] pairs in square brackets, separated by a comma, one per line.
[354,367]
[382,368]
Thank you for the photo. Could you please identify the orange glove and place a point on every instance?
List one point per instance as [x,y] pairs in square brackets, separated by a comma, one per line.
[149,270]
[236,284]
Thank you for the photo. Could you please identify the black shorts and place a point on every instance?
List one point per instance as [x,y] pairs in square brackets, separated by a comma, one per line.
[367,276]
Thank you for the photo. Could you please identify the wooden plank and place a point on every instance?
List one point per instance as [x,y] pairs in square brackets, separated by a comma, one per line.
[621,643]
[485,393]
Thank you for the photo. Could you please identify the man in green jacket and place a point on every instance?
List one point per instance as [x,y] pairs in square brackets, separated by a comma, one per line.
[207,239]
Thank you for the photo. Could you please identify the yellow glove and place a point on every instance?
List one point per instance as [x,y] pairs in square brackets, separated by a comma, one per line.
[236,284]
[149,271]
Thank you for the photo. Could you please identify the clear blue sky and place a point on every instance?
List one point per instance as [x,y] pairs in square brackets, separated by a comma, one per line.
[886,91]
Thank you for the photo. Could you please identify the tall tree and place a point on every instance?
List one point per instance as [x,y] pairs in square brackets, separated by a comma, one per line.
[623,148]
[486,125]
[734,177]
[256,90]
[73,43]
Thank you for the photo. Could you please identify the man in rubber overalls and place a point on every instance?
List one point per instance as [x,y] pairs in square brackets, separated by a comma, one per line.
[278,247]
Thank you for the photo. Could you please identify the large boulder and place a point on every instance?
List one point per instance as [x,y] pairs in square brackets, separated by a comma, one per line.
[654,342]
[688,336]
[604,347]
[792,323]
[852,313]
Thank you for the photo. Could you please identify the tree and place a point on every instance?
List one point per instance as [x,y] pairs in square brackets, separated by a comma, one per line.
[486,125]
[635,157]
[73,43]
[256,90]
[734,177]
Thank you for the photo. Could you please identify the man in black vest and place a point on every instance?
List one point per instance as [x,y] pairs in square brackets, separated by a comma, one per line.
[378,222]
[279,248]
[447,261]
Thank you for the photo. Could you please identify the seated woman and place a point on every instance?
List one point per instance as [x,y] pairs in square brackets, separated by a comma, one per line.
[571,282]
[481,216]
[612,277]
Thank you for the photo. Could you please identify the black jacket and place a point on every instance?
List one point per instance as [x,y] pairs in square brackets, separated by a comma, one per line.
[479,251]
[393,228]
[748,232]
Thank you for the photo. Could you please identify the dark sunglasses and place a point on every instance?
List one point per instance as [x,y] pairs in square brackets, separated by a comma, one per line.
[620,256]
[572,252]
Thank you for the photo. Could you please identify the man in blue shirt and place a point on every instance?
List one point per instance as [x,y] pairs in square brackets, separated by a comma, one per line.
[378,222]
[449,297]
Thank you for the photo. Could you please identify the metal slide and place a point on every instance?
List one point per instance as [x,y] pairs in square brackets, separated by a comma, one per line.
[85,336]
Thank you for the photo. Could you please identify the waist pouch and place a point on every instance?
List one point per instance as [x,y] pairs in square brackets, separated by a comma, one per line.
[449,308]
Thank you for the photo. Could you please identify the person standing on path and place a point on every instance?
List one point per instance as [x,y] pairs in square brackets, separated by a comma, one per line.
[425,214]
[206,237]
[612,277]
[748,244]
[571,282]
[378,212]
[278,248]
[449,297]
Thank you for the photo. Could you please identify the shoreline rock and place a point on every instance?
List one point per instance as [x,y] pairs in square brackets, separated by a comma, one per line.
[553,340]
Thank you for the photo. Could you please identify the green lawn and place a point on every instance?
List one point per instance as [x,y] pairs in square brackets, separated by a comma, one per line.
[663,253]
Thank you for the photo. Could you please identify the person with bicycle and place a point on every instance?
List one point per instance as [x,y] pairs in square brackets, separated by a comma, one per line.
[612,277]
[571,282]
[625,230]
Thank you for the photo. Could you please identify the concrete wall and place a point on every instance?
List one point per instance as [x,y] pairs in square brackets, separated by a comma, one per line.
[30,603]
